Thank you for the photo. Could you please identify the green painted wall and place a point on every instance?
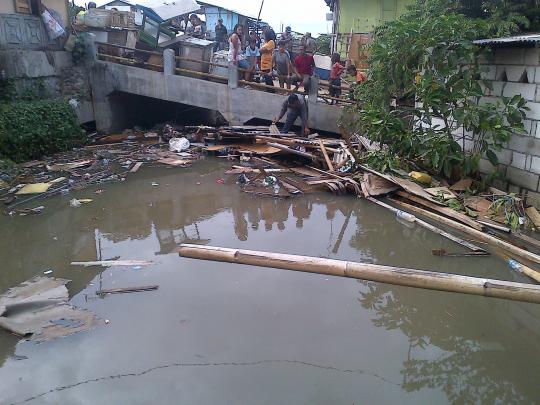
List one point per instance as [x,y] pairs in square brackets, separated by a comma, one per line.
[363,15]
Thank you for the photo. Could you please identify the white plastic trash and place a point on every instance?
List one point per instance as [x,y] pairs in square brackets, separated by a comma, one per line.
[178,144]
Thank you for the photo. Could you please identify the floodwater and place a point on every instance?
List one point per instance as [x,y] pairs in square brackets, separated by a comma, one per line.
[217,333]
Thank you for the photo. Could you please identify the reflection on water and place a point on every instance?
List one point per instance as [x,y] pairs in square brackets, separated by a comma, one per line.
[472,363]
[381,344]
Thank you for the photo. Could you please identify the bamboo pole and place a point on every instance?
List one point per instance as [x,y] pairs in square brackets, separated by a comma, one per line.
[483,237]
[365,271]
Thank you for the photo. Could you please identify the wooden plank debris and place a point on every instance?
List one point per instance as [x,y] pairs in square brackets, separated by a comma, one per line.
[481,236]
[461,185]
[441,191]
[534,216]
[373,185]
[127,290]
[136,167]
[108,263]
[326,157]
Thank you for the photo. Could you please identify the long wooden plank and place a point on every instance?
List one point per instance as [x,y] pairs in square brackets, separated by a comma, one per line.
[366,271]
[294,151]
[127,290]
[442,210]
[326,157]
[107,263]
[483,237]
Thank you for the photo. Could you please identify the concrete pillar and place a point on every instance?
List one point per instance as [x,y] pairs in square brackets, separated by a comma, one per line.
[233,75]
[313,90]
[169,61]
[91,47]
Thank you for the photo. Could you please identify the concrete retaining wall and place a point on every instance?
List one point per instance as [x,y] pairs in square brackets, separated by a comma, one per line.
[55,71]
[515,71]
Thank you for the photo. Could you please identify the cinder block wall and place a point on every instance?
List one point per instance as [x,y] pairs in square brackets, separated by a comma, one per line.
[514,71]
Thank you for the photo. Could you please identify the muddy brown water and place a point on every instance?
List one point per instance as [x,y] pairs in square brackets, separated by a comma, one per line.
[227,334]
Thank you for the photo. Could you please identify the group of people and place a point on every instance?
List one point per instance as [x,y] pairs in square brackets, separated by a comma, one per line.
[273,60]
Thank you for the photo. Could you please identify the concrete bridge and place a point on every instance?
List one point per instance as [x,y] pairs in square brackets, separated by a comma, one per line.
[237,105]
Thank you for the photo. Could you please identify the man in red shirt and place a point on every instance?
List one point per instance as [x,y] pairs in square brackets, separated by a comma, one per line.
[304,64]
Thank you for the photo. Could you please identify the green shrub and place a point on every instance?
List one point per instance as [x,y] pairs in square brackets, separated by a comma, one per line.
[31,129]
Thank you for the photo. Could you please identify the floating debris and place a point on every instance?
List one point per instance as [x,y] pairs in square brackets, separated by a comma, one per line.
[39,309]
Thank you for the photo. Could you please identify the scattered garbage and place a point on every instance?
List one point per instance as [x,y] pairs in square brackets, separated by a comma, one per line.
[108,159]
[39,308]
[75,203]
[178,144]
[36,188]
[155,184]
[405,216]
[78,202]
[26,211]
[47,272]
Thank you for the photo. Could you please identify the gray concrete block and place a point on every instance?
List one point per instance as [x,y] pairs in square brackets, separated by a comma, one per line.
[537,74]
[509,56]
[522,178]
[496,88]
[488,72]
[528,124]
[532,56]
[531,74]
[527,91]
[534,128]
[518,160]
[504,156]
[534,111]
[535,164]
[62,60]
[488,100]
[484,166]
[501,184]
[513,73]
[524,144]
[18,63]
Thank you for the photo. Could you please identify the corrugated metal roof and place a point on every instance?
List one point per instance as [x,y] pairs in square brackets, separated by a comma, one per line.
[167,9]
[529,39]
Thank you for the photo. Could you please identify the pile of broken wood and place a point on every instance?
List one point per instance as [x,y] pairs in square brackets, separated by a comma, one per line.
[284,165]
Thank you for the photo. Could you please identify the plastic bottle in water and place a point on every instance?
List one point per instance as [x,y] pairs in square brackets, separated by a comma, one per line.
[514,265]
[405,216]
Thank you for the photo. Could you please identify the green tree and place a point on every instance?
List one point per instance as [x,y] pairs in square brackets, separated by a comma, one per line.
[426,61]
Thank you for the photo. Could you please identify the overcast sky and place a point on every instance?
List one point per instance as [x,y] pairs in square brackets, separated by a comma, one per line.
[301,15]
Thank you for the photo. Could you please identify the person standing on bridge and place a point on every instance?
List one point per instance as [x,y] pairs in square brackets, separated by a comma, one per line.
[221,36]
[295,106]
[281,62]
[288,39]
[304,65]
[267,50]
